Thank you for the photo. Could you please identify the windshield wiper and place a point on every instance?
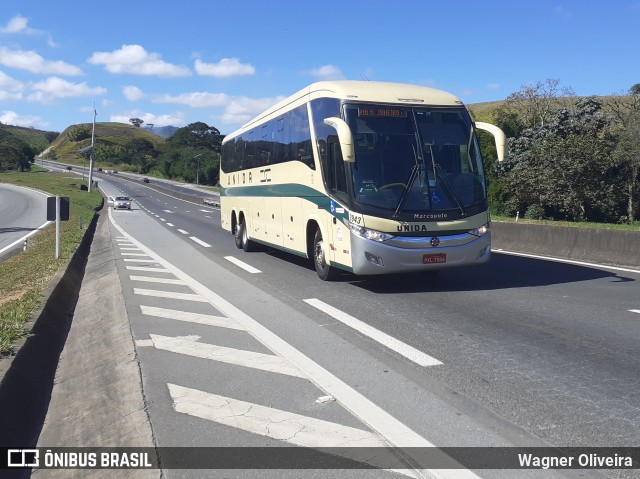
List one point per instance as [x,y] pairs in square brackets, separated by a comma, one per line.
[412,177]
[448,189]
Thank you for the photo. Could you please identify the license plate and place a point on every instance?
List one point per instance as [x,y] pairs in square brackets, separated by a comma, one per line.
[437,258]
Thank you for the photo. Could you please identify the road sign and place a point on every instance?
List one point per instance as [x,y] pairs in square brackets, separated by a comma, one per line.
[64,208]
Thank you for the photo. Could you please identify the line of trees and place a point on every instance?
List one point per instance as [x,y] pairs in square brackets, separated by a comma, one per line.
[570,158]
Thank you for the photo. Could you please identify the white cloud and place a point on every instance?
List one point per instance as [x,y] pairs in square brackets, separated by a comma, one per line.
[327,72]
[150,118]
[195,99]
[12,118]
[135,60]
[34,63]
[242,109]
[227,67]
[9,83]
[133,93]
[17,24]
[54,87]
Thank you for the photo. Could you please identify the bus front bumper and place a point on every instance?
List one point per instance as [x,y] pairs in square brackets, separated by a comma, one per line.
[413,254]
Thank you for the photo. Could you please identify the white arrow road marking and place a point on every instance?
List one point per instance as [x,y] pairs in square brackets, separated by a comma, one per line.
[239,357]
[289,427]
[209,320]
[390,342]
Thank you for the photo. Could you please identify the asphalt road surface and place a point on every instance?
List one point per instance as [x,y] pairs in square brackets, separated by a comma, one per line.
[252,349]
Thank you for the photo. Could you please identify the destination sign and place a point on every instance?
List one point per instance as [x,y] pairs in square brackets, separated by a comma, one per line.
[382,112]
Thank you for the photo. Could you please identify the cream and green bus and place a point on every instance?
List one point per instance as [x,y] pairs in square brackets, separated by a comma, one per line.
[365,177]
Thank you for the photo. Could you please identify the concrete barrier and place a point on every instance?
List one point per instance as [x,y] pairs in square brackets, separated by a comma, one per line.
[605,246]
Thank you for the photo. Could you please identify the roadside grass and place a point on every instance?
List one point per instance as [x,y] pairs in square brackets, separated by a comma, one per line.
[24,277]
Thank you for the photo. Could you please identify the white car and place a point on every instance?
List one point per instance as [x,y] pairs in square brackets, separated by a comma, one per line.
[121,202]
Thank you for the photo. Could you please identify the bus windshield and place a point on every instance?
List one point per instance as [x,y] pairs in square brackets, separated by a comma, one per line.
[412,162]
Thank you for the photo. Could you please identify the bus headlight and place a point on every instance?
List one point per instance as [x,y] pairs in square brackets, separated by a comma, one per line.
[366,233]
[480,231]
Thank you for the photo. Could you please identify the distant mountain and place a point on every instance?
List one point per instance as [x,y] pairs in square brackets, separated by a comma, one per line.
[163,131]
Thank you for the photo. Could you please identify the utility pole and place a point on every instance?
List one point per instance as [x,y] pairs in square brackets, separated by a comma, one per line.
[93,141]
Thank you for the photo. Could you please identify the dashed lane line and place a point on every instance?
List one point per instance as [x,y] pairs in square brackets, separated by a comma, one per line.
[183,232]
[198,318]
[242,264]
[238,357]
[200,242]
[390,342]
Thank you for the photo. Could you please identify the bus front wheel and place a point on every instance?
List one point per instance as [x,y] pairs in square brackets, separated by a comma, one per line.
[325,272]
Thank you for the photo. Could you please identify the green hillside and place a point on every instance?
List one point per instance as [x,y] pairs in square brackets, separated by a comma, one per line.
[109,134]
[38,140]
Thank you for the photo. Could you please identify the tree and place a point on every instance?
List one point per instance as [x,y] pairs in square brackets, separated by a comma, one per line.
[15,154]
[564,168]
[136,122]
[533,105]
[626,111]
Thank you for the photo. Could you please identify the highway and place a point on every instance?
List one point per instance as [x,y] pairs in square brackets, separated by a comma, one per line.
[252,349]
[23,212]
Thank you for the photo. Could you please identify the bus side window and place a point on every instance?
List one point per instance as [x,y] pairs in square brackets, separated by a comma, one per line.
[337,174]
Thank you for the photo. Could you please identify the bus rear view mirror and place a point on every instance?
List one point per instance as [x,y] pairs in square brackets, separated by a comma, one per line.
[499,137]
[344,137]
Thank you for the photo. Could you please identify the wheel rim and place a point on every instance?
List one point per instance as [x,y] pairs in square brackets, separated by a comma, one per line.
[319,255]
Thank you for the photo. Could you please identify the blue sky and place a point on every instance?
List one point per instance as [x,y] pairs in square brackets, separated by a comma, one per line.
[222,62]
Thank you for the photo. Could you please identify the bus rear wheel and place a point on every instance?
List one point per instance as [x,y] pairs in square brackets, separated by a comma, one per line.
[238,235]
[325,272]
[243,238]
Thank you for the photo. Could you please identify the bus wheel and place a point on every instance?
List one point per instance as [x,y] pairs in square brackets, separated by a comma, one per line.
[247,245]
[325,272]
[238,235]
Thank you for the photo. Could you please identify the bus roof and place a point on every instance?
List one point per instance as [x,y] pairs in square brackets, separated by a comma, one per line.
[369,91]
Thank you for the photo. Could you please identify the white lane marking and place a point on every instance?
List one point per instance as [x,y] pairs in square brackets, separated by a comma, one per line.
[238,357]
[205,211]
[146,268]
[292,428]
[122,248]
[393,431]
[163,220]
[140,260]
[568,261]
[209,320]
[634,311]
[304,431]
[167,211]
[151,279]
[183,232]
[21,240]
[242,264]
[134,254]
[170,224]
[390,342]
[169,295]
[200,242]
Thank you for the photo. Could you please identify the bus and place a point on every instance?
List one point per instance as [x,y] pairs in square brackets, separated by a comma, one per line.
[359,176]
